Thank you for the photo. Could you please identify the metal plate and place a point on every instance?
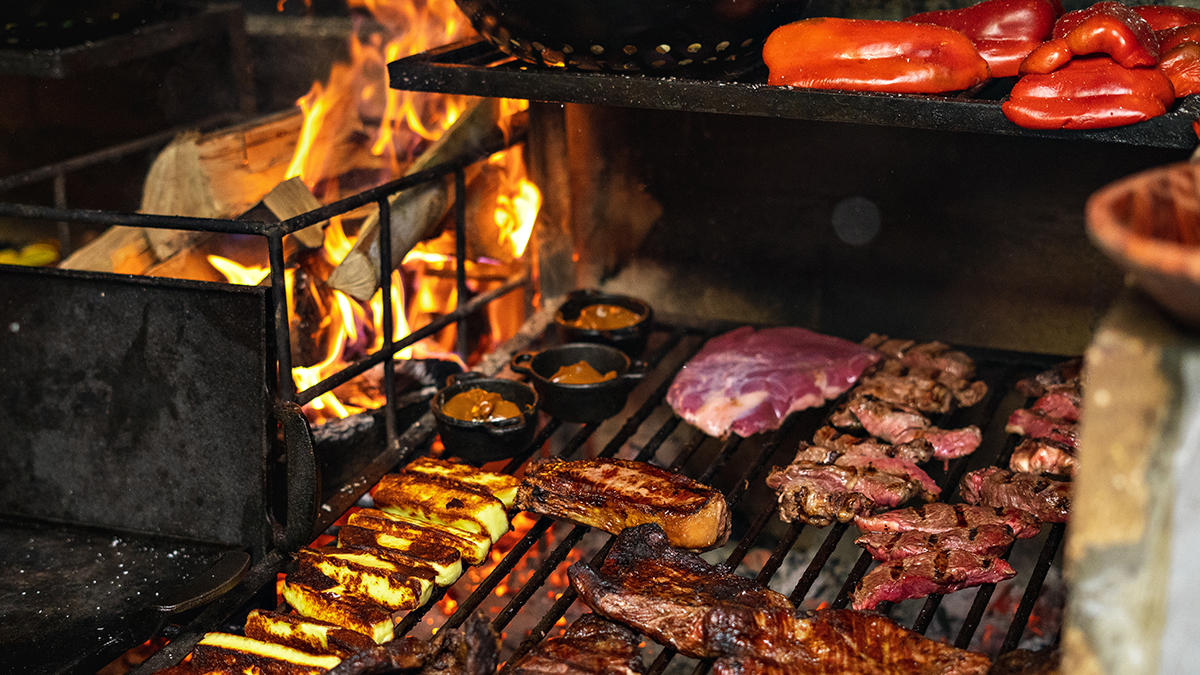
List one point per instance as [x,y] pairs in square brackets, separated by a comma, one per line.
[477,69]
[134,403]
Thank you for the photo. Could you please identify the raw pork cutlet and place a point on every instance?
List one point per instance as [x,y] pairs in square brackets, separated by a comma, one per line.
[1067,372]
[943,571]
[704,611]
[1048,500]
[845,642]
[898,425]
[590,646]
[990,539]
[940,517]
[680,600]
[1033,424]
[915,451]
[748,381]
[819,494]
[1042,456]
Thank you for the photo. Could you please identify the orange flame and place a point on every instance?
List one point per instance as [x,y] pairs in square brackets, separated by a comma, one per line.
[237,274]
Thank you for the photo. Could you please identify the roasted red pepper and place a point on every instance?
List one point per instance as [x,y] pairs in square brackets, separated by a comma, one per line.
[1091,93]
[1004,31]
[1181,65]
[1104,28]
[864,55]
[1169,38]
[1163,16]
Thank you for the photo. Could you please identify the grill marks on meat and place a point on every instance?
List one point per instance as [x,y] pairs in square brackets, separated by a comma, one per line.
[819,494]
[1044,456]
[1048,500]
[898,425]
[590,646]
[704,611]
[985,540]
[940,517]
[1033,424]
[930,377]
[942,571]
[1068,372]
[748,381]
[916,451]
[1050,424]
[680,600]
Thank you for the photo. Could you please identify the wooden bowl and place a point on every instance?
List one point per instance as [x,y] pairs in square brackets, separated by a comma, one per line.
[1149,224]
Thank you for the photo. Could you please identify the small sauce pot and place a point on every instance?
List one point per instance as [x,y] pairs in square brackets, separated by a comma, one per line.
[629,339]
[592,402]
[480,442]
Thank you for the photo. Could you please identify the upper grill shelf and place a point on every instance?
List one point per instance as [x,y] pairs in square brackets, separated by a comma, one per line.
[476,68]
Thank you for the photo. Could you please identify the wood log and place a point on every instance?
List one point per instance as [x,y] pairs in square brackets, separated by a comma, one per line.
[291,198]
[415,213]
[120,249]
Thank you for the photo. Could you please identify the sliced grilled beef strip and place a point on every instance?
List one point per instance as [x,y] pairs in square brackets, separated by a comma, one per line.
[1044,455]
[1061,401]
[934,356]
[1033,424]
[896,467]
[820,493]
[988,539]
[931,376]
[845,642]
[1067,372]
[678,599]
[914,391]
[816,454]
[1048,500]
[940,517]
[916,451]
[590,646]
[897,424]
[943,571]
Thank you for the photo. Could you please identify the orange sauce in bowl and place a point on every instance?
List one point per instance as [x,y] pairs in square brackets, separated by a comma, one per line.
[603,317]
[478,405]
[581,373]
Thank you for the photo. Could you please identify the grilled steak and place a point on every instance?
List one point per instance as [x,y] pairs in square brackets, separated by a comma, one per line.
[897,424]
[896,467]
[819,494]
[613,494]
[1067,372]
[1048,500]
[1044,455]
[915,451]
[986,540]
[928,377]
[921,393]
[747,381]
[844,642]
[1061,401]
[933,356]
[1037,425]
[590,646]
[940,517]
[943,571]
[679,599]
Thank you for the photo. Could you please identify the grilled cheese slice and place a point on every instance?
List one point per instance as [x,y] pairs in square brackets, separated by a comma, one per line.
[472,546]
[438,500]
[412,549]
[500,485]
[366,575]
[223,652]
[316,596]
[307,635]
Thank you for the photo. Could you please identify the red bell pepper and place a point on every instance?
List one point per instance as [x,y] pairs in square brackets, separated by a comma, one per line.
[1163,16]
[1181,65]
[1104,28]
[1004,31]
[1169,38]
[867,55]
[1091,93]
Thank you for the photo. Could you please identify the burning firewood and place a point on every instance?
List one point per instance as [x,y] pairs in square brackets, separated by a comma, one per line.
[415,213]
[288,200]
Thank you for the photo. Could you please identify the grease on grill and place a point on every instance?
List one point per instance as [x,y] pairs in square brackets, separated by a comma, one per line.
[603,317]
[478,405]
[581,373]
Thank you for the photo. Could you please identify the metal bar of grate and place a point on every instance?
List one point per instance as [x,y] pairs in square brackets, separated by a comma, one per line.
[1034,588]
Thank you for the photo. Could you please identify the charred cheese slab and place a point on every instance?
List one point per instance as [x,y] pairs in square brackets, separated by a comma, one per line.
[500,485]
[413,548]
[316,596]
[307,635]
[439,500]
[366,575]
[227,653]
[472,546]
[613,494]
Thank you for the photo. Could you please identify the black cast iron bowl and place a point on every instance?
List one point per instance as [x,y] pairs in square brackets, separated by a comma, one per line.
[630,35]
[481,442]
[580,402]
[630,339]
